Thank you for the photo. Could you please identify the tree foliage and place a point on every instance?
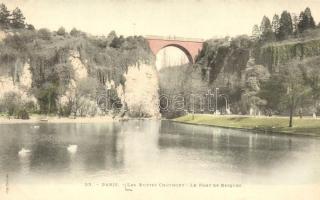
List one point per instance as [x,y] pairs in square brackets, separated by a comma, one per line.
[306,20]
[4,16]
[295,24]
[296,90]
[311,75]
[44,34]
[61,31]
[255,32]
[18,19]
[276,25]
[75,33]
[285,29]
[266,30]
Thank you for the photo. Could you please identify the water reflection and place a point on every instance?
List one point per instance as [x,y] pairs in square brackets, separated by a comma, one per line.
[147,149]
[99,148]
[238,151]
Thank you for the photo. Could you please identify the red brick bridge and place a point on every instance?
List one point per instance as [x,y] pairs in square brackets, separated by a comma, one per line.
[191,47]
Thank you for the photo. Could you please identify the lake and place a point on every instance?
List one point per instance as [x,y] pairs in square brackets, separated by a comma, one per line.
[153,152]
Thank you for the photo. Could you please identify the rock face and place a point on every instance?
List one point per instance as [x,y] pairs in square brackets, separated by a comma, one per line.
[21,87]
[80,72]
[141,91]
[275,54]
[79,68]
[2,35]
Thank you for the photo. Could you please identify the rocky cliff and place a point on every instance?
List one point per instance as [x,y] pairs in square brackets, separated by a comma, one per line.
[80,75]
[141,91]
[274,55]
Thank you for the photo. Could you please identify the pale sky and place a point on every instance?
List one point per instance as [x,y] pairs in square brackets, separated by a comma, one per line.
[170,56]
[186,18]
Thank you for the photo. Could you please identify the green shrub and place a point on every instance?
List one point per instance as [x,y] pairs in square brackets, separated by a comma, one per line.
[61,31]
[23,114]
[44,34]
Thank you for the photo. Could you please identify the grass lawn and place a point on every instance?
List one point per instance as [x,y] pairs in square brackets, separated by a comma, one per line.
[304,126]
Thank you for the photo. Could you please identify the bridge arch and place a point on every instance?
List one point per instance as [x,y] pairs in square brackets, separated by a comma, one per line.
[190,47]
[184,50]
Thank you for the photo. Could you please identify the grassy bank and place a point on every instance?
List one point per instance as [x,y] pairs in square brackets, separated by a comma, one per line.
[304,126]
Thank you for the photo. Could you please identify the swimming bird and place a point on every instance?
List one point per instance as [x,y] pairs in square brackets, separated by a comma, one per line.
[24,151]
[72,148]
[35,126]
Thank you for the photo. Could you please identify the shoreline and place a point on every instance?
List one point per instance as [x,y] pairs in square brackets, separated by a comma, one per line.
[313,131]
[199,120]
[55,119]
[60,120]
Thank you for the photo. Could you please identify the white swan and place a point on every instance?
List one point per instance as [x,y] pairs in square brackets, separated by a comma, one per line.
[24,151]
[36,127]
[72,148]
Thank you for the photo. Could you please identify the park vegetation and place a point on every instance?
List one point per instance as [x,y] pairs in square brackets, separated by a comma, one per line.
[48,53]
[305,126]
[275,71]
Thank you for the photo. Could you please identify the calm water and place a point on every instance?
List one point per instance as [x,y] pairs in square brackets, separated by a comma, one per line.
[153,151]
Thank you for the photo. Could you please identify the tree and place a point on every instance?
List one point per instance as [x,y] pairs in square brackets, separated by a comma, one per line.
[285,29]
[18,20]
[47,95]
[311,75]
[84,91]
[11,102]
[111,36]
[295,24]
[292,80]
[301,23]
[266,29]
[271,90]
[254,75]
[61,31]
[75,33]
[4,16]
[306,20]
[256,32]
[44,34]
[309,19]
[117,42]
[31,27]
[276,25]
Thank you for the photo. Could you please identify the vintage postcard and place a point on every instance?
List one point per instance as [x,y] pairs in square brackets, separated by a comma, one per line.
[159,99]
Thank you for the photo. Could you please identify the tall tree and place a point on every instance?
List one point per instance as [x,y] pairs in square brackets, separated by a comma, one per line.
[311,75]
[266,29]
[4,16]
[295,24]
[301,22]
[309,18]
[271,90]
[18,20]
[285,29]
[276,25]
[292,79]
[306,20]
[256,32]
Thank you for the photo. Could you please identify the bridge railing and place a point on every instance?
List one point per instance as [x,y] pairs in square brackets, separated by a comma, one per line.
[173,37]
